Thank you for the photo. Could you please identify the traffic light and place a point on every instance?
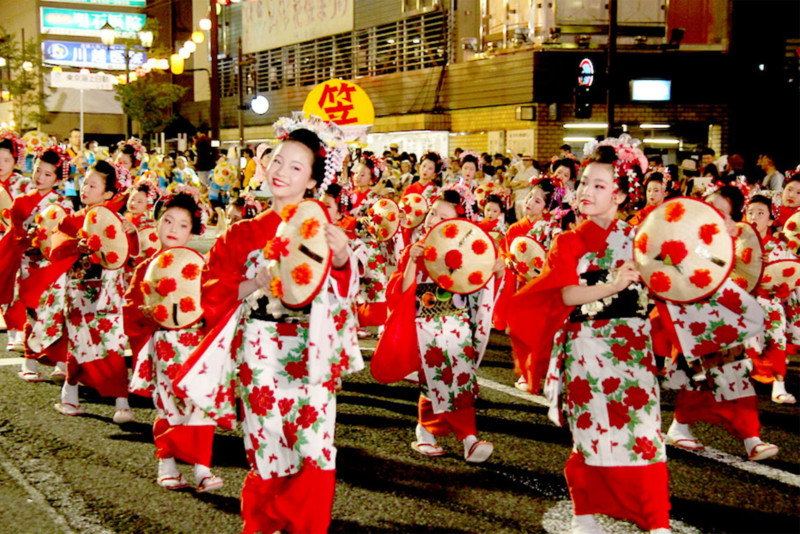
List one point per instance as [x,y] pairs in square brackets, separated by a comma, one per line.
[583,103]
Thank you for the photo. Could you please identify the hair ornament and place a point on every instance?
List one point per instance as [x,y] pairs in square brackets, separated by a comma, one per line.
[176,188]
[63,157]
[468,201]
[19,145]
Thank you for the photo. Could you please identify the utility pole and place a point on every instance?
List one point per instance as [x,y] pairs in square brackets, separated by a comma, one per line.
[612,52]
[214,81]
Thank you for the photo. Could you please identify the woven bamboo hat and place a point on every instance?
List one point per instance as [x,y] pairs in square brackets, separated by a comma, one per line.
[683,251]
[415,207]
[148,240]
[300,258]
[105,236]
[383,219]
[459,256]
[749,258]
[526,257]
[5,207]
[224,174]
[781,277]
[46,223]
[791,231]
[172,285]
[35,141]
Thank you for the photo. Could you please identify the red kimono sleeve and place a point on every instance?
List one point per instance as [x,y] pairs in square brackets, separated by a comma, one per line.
[14,244]
[538,309]
[397,352]
[138,328]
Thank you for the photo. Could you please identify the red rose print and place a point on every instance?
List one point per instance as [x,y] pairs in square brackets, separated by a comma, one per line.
[725,334]
[636,397]
[434,357]
[165,286]
[285,406]
[463,400]
[104,325]
[447,375]
[660,282]
[701,278]
[697,328]
[307,416]
[470,352]
[707,233]
[190,271]
[339,319]
[610,385]
[621,352]
[187,305]
[297,370]
[706,346]
[245,374]
[453,259]
[50,300]
[774,316]
[189,339]
[731,300]
[164,350]
[673,252]
[674,212]
[146,370]
[96,336]
[165,260]
[476,278]
[584,421]
[617,414]
[641,243]
[463,379]
[290,433]
[579,392]
[645,448]
[430,253]
[261,400]
[52,330]
[450,231]
[624,331]
[479,246]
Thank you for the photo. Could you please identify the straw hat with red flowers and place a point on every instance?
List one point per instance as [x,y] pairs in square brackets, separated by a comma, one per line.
[299,255]
[46,223]
[791,231]
[383,219]
[459,256]
[526,257]
[781,278]
[683,251]
[103,232]
[171,287]
[415,208]
[148,240]
[749,258]
[5,207]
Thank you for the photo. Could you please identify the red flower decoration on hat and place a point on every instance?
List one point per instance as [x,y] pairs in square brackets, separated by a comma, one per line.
[384,232]
[475,278]
[392,216]
[165,260]
[791,226]
[444,281]
[187,305]
[190,271]
[377,219]
[701,278]
[94,242]
[165,286]
[707,232]
[522,247]
[406,208]
[160,313]
[93,217]
[538,263]
[430,253]
[674,212]
[288,212]
[111,232]
[112,258]
[302,274]
[450,231]
[276,287]
[521,267]
[793,245]
[673,252]
[788,271]
[453,259]
[747,256]
[741,282]
[641,243]
[152,237]
[277,248]
[660,282]
[146,288]
[309,228]
[479,246]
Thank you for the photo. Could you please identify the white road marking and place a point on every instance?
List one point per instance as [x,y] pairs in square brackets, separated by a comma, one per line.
[11,361]
[558,520]
[737,462]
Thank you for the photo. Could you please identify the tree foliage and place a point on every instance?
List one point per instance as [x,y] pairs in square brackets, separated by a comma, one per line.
[148,100]
[26,88]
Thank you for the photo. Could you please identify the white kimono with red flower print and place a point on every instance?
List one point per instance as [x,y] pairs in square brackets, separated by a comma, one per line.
[606,371]
[283,372]
[775,320]
[371,260]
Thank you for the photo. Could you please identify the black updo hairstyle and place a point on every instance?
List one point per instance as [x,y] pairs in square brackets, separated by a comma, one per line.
[370,164]
[109,172]
[186,202]
[735,197]
[795,177]
[53,158]
[655,177]
[496,200]
[469,158]
[565,162]
[607,155]
[9,145]
[130,151]
[342,201]
[548,188]
[434,157]
[765,200]
[310,140]
[451,196]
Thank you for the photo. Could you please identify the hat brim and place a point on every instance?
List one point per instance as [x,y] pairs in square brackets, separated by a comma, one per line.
[51,216]
[383,219]
[107,225]
[781,272]
[749,259]
[526,257]
[182,307]
[472,249]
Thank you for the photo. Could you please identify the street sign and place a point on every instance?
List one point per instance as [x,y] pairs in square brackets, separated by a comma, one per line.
[117,3]
[90,55]
[76,80]
[586,72]
[88,23]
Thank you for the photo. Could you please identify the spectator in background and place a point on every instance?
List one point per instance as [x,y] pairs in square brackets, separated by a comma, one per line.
[521,185]
[773,179]
[249,166]
[707,157]
[205,157]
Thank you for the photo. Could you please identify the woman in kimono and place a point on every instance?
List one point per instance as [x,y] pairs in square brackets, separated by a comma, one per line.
[365,175]
[181,430]
[281,363]
[20,251]
[602,371]
[451,341]
[429,167]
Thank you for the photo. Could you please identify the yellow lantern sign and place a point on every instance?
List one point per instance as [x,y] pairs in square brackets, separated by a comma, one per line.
[343,103]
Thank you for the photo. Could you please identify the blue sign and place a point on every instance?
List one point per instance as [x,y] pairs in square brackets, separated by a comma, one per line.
[56,21]
[90,55]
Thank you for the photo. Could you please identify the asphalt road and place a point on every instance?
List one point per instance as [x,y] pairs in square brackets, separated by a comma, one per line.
[86,474]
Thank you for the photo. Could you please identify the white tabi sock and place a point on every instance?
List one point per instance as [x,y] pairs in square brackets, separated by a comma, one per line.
[585,524]
[32,366]
[778,388]
[469,441]
[201,472]
[749,443]
[121,403]
[423,436]
[167,467]
[680,431]
[69,394]
[660,531]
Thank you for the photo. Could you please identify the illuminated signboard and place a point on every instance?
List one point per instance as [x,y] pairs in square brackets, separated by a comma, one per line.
[88,23]
[90,55]
[586,72]
[116,3]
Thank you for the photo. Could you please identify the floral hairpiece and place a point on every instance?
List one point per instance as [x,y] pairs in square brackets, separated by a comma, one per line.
[150,179]
[628,155]
[63,158]
[474,155]
[138,147]
[124,177]
[466,207]
[176,188]
[19,145]
[559,190]
[331,136]
[739,183]
[377,163]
